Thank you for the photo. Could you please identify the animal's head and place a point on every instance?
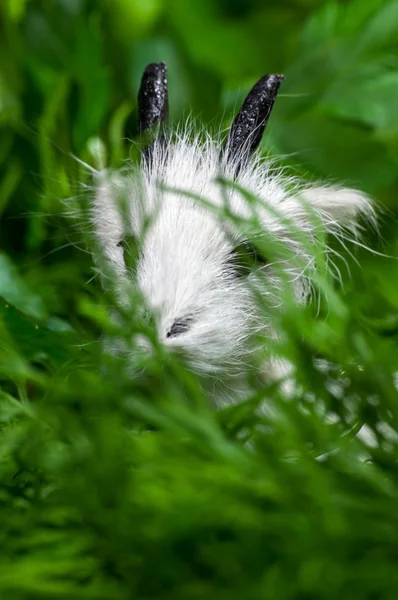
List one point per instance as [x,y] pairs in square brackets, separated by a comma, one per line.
[195,267]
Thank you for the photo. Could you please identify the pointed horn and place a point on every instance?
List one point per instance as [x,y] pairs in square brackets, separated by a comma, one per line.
[249,124]
[153,101]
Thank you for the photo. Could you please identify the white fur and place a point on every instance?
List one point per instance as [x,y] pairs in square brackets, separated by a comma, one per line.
[182,266]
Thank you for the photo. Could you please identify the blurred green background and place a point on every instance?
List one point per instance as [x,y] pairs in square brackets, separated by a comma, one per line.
[69,76]
[91,508]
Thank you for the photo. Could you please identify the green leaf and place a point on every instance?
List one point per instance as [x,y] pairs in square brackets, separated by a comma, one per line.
[330,147]
[116,132]
[9,184]
[365,97]
[201,20]
[93,79]
[10,107]
[321,27]
[36,342]
[15,9]
[133,18]
[14,291]
[382,30]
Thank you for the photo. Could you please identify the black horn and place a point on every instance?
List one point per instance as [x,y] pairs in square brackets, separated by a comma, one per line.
[249,124]
[153,101]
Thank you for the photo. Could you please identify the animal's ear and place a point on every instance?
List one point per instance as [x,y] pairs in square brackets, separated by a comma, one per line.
[339,207]
[153,104]
[249,124]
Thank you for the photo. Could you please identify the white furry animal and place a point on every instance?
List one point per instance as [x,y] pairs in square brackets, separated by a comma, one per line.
[197,270]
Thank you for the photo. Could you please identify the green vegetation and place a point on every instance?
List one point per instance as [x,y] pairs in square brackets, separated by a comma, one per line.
[112,488]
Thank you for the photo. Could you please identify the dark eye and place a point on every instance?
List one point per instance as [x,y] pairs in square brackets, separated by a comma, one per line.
[127,241]
[244,258]
[130,247]
[179,326]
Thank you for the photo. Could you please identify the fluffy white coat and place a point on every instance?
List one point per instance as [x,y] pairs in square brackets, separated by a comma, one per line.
[185,269]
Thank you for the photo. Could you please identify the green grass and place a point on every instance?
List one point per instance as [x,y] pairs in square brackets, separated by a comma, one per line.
[113,488]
